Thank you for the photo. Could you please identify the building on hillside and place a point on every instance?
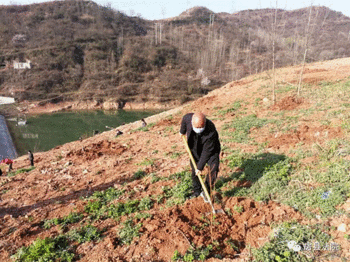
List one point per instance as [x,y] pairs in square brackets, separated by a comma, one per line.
[22,65]
[6,100]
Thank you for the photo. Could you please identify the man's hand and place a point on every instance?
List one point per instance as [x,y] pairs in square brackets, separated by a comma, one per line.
[198,172]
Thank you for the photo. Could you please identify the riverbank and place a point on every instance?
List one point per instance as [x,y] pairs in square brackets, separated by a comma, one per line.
[33,108]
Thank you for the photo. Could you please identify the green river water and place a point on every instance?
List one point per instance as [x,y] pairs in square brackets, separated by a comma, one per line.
[46,131]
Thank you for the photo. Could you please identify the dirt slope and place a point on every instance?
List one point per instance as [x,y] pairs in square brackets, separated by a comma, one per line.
[65,175]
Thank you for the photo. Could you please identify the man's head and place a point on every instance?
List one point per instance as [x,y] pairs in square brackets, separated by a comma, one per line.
[198,122]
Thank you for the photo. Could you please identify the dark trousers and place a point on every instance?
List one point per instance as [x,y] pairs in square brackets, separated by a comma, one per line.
[31,162]
[210,178]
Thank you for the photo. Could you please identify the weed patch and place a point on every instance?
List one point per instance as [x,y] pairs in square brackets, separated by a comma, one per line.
[122,209]
[139,174]
[274,179]
[321,200]
[19,171]
[48,249]
[107,195]
[147,162]
[193,254]
[23,170]
[234,107]
[145,204]
[143,129]
[181,191]
[70,219]
[293,242]
[242,127]
[84,234]
[269,173]
[128,232]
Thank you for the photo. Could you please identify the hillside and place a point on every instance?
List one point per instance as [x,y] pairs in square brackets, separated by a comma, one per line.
[123,198]
[80,51]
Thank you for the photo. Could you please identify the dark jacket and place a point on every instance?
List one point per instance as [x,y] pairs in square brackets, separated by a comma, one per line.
[30,155]
[203,145]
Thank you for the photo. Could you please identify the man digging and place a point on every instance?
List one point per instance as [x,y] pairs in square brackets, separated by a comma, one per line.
[203,141]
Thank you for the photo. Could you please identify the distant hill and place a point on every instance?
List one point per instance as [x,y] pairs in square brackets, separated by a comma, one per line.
[79,50]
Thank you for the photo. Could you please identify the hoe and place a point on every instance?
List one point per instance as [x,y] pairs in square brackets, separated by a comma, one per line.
[200,178]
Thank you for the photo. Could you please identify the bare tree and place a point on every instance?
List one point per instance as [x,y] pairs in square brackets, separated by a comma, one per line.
[305,52]
[273,57]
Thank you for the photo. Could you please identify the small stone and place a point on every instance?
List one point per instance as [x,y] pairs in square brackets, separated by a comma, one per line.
[7,217]
[342,228]
[67,164]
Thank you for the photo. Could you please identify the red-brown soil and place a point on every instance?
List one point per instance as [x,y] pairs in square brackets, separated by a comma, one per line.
[288,103]
[66,174]
[303,134]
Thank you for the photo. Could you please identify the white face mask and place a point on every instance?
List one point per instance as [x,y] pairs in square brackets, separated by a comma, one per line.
[198,130]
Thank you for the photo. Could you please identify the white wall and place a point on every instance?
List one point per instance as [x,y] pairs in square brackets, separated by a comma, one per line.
[6,100]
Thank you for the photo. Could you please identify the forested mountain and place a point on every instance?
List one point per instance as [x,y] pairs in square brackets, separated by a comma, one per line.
[78,50]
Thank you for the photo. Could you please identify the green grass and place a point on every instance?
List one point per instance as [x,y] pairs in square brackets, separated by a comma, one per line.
[238,209]
[99,202]
[128,232]
[329,178]
[155,178]
[146,203]
[143,129]
[193,254]
[284,89]
[181,191]
[48,249]
[242,126]
[60,248]
[271,176]
[139,174]
[72,218]
[304,236]
[19,171]
[233,108]
[254,166]
[107,195]
[122,209]
[84,234]
[268,170]
[147,162]
[314,201]
[273,180]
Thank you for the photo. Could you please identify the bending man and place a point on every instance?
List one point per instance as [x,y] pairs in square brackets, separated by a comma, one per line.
[203,141]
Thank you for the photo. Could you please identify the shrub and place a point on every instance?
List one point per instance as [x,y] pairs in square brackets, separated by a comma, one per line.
[181,190]
[85,234]
[72,218]
[162,55]
[273,181]
[287,239]
[129,232]
[48,249]
[243,125]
